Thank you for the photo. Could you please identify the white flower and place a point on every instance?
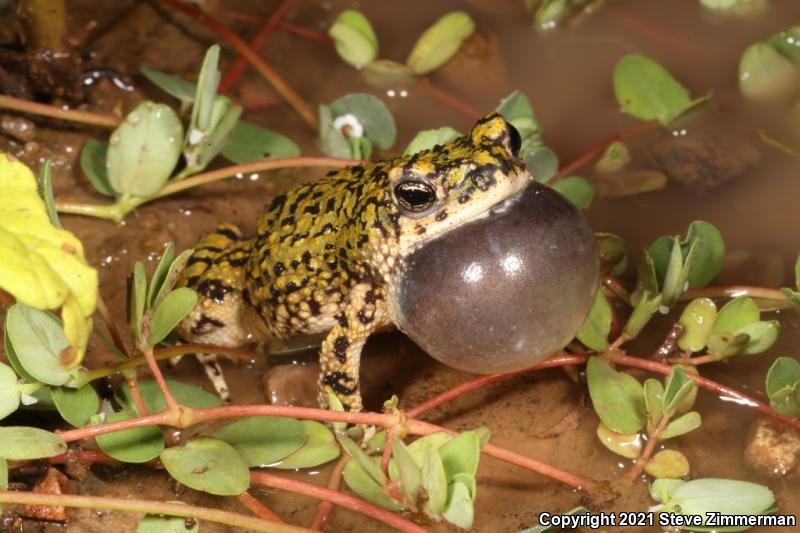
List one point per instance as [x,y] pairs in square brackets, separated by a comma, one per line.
[349,125]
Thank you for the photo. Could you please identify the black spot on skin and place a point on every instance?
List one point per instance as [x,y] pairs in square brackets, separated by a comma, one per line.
[241,261]
[288,221]
[314,306]
[277,202]
[312,209]
[291,287]
[279,268]
[227,232]
[299,236]
[363,318]
[340,346]
[421,230]
[193,260]
[441,215]
[213,289]
[342,321]
[371,297]
[338,381]
[331,205]
[295,263]
[206,324]
[192,281]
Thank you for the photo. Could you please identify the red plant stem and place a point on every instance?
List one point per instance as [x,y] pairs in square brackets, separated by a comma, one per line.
[733,291]
[258,508]
[325,507]
[644,457]
[713,386]
[455,392]
[82,456]
[136,393]
[152,363]
[448,99]
[337,498]
[613,284]
[34,108]
[308,33]
[240,65]
[271,75]
[598,148]
[696,361]
[386,456]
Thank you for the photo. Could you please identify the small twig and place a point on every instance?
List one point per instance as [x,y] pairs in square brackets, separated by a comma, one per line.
[240,65]
[149,507]
[615,286]
[308,33]
[302,108]
[71,115]
[337,498]
[111,326]
[325,507]
[258,508]
[136,393]
[152,363]
[598,148]
[644,457]
[734,291]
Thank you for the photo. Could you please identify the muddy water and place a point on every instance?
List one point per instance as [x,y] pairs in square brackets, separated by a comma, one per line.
[567,76]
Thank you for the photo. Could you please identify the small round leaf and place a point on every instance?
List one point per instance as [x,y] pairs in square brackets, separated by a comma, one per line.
[263,440]
[76,406]
[440,42]
[626,445]
[697,320]
[669,464]
[577,190]
[320,447]
[765,74]
[618,397]
[38,340]
[24,443]
[354,38]
[166,524]
[372,113]
[169,312]
[427,139]
[360,482]
[594,332]
[209,465]
[137,445]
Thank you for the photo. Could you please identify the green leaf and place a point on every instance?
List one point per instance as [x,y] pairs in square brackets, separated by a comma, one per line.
[661,489]
[516,109]
[160,274]
[577,190]
[137,445]
[540,160]
[409,471]
[678,386]
[205,98]
[167,524]
[709,254]
[594,332]
[362,484]
[669,464]
[38,341]
[250,142]
[165,286]
[372,113]
[724,496]
[460,510]
[209,465]
[676,273]
[320,447]
[653,403]
[174,86]
[787,43]
[642,313]
[440,42]
[697,320]
[371,467]
[736,314]
[76,406]
[647,91]
[354,38]
[460,455]
[615,157]
[9,394]
[681,425]
[784,372]
[647,278]
[224,120]
[137,299]
[761,336]
[612,252]
[766,74]
[618,397]
[94,166]
[434,481]
[627,445]
[169,312]
[550,13]
[154,400]
[427,139]
[25,443]
[786,401]
[263,440]
[144,149]
[386,74]
[46,192]
[724,345]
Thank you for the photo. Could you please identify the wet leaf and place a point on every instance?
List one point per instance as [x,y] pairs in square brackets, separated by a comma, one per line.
[766,74]
[362,484]
[677,272]
[787,43]
[25,443]
[516,109]
[250,142]
[427,139]
[200,125]
[418,448]
[386,74]
[784,372]
[615,157]
[372,113]
[137,445]
[263,440]
[726,344]
[370,467]
[618,397]
[647,91]
[648,306]
[678,386]
[440,42]
[653,402]
[144,149]
[43,266]
[353,37]
[460,510]
[460,455]
[167,524]
[320,447]
[335,404]
[709,254]
[688,401]
[550,13]
[627,445]
[225,117]
[627,183]
[169,312]
[93,164]
[661,489]
[646,279]
[612,251]
[736,314]
[669,464]
[76,406]
[154,400]
[37,342]
[137,299]
[540,160]
[761,336]
[724,496]
[786,401]
[410,472]
[434,481]
[697,320]
[209,465]
[9,394]
[178,87]
[681,425]
[595,330]
[577,190]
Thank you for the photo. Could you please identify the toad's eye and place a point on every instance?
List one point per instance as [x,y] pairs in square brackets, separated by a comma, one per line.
[415,196]
[514,140]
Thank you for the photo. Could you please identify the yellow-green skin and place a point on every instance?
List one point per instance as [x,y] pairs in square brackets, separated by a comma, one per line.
[327,254]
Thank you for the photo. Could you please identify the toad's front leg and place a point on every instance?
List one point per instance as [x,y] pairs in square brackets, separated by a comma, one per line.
[365,311]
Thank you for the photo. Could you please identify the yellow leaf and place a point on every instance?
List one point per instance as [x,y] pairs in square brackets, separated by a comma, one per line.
[43,266]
